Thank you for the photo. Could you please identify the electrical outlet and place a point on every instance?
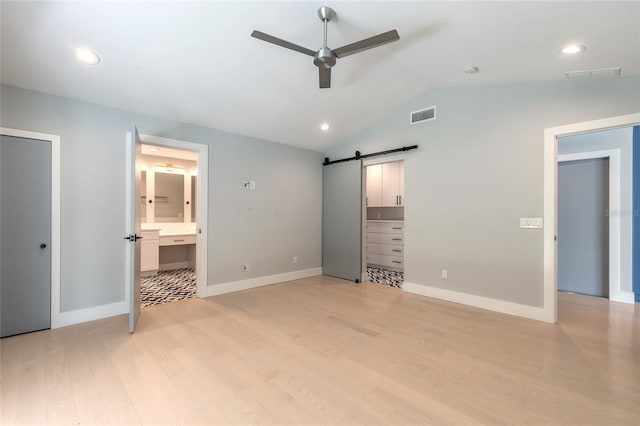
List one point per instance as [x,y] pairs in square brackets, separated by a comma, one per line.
[445,274]
[295,259]
[245,267]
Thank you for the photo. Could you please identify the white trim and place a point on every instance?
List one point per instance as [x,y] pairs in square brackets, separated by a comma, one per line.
[93,313]
[550,197]
[55,213]
[496,305]
[616,264]
[216,289]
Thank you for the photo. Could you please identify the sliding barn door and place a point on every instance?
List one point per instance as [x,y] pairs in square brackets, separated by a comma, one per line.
[342,220]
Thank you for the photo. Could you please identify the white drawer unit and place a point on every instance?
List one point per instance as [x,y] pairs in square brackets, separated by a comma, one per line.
[373,248]
[391,261]
[176,240]
[395,239]
[391,227]
[391,250]
[385,244]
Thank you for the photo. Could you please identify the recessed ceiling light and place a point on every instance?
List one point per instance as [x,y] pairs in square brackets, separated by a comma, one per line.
[470,69]
[572,49]
[324,127]
[87,57]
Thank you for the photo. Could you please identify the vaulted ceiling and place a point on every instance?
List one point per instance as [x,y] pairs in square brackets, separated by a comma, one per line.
[196,62]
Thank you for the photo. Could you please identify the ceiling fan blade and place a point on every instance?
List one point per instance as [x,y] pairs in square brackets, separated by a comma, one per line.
[367,43]
[283,43]
[325,78]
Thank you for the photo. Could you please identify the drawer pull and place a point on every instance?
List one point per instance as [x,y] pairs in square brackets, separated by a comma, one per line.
[178,241]
[396,261]
[396,228]
[397,251]
[396,239]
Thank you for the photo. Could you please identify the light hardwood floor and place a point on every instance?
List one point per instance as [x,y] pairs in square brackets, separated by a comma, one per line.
[322,351]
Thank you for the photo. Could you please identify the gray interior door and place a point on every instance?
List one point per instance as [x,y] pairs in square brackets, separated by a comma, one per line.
[583,226]
[25,235]
[342,220]
[135,233]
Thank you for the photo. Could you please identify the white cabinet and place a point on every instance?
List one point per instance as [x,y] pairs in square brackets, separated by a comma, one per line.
[385,244]
[150,251]
[385,184]
[374,185]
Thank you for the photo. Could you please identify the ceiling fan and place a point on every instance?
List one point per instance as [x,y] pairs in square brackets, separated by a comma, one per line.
[325,58]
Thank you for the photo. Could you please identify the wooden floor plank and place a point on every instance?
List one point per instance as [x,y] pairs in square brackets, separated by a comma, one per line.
[322,351]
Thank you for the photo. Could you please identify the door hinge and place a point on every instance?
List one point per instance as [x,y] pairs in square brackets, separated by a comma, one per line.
[132,237]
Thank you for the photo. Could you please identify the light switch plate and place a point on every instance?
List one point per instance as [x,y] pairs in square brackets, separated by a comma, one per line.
[531,222]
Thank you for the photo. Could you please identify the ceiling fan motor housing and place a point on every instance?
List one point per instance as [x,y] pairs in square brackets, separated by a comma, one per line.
[324,58]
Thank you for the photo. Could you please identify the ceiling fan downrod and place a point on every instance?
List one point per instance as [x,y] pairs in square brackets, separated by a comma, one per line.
[325,58]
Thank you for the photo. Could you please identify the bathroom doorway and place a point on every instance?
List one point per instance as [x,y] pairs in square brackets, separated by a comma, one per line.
[173,202]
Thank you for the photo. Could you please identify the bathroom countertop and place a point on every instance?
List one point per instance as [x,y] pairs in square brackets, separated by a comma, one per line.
[171,229]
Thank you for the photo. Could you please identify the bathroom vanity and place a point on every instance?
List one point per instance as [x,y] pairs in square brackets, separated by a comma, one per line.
[167,246]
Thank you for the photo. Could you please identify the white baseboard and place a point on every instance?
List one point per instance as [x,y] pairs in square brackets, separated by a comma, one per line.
[496,305]
[174,265]
[622,296]
[90,314]
[216,289]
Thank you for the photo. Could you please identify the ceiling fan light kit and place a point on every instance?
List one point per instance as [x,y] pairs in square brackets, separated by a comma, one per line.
[325,58]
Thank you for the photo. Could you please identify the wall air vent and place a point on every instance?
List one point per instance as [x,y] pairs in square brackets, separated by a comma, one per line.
[423,115]
[605,72]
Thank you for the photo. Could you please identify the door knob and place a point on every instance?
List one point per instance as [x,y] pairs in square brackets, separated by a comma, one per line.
[43,246]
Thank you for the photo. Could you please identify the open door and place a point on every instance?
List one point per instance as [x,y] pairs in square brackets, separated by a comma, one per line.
[342,220]
[134,235]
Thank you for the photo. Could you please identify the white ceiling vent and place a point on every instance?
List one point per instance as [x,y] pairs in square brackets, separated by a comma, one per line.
[605,72]
[423,115]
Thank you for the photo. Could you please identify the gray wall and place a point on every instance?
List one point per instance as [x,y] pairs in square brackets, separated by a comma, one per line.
[621,139]
[264,227]
[479,169]
[583,226]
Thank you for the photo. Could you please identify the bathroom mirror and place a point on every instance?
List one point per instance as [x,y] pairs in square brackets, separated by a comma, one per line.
[169,197]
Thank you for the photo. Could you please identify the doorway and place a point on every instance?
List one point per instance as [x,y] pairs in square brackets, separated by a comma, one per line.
[622,289]
[186,247]
[168,214]
[583,226]
[53,207]
[383,248]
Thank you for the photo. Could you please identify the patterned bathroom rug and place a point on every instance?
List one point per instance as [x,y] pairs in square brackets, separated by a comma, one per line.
[167,286]
[385,277]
